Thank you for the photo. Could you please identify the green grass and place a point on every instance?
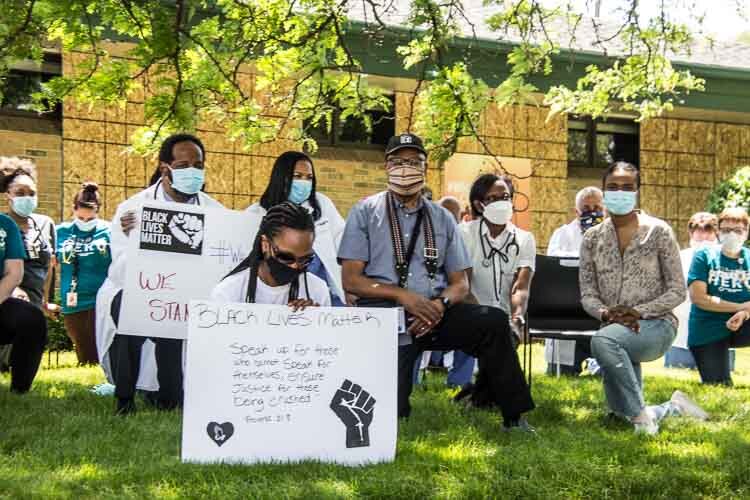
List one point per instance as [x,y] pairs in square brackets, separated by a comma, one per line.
[62,441]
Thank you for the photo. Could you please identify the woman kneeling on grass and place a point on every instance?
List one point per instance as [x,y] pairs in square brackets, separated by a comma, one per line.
[275,272]
[631,278]
[719,281]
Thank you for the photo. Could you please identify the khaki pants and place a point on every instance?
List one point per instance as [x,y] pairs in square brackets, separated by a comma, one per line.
[80,327]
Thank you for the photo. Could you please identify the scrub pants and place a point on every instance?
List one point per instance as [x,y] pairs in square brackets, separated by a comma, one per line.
[80,327]
[24,327]
[713,359]
[125,359]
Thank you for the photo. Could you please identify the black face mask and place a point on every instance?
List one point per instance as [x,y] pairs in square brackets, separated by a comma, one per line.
[281,273]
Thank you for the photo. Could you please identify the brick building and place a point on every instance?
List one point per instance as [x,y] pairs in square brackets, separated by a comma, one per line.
[682,155]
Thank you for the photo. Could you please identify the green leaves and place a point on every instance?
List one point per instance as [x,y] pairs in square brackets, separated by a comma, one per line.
[732,192]
[265,68]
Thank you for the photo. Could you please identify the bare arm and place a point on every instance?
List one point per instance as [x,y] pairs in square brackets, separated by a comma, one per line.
[519,295]
[700,297]
[12,276]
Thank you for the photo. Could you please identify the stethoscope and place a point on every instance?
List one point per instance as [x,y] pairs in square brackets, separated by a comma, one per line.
[488,257]
[156,191]
[502,251]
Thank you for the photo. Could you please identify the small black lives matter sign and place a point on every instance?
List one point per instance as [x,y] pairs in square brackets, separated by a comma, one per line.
[172,231]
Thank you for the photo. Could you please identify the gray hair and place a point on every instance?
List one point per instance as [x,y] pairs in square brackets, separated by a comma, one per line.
[585,193]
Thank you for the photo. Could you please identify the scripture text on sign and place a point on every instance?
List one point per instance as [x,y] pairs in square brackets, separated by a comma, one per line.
[266,384]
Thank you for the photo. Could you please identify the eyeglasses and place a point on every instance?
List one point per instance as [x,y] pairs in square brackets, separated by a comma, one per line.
[289,259]
[400,162]
[493,198]
[736,230]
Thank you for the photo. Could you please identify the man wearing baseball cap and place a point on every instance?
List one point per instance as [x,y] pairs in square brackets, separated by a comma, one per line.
[400,249]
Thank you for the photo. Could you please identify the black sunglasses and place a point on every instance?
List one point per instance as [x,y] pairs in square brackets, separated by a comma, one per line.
[288,259]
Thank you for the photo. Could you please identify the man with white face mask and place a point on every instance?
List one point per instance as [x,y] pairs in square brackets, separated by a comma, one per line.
[703,231]
[719,284]
[400,249]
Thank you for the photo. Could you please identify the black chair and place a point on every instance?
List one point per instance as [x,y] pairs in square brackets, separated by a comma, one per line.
[554,309]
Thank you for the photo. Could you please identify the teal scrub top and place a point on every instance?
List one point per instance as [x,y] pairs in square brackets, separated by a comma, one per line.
[86,254]
[726,278]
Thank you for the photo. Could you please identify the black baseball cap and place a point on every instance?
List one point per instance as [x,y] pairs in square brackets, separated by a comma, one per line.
[404,141]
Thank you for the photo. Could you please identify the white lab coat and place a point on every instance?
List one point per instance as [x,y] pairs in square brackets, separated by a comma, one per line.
[683,310]
[105,327]
[566,240]
[328,231]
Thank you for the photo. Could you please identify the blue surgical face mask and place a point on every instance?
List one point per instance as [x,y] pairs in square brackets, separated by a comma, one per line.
[24,206]
[301,190]
[620,202]
[188,180]
[85,226]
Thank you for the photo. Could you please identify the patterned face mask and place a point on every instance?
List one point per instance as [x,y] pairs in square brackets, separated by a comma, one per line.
[590,218]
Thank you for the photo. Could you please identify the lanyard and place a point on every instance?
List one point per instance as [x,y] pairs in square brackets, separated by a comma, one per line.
[403,259]
[35,245]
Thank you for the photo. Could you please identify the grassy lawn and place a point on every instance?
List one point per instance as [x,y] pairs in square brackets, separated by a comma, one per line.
[63,441]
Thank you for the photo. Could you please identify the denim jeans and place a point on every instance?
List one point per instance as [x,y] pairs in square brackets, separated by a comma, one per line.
[620,352]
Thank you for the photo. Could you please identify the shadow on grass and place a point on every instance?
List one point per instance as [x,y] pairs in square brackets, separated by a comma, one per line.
[62,440]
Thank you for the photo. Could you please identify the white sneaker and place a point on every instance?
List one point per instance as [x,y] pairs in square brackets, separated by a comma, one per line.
[687,406]
[647,425]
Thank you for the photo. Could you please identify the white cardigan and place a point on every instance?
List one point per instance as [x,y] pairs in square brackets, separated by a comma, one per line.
[105,327]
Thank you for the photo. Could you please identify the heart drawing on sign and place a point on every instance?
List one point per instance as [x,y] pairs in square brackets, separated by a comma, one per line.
[220,433]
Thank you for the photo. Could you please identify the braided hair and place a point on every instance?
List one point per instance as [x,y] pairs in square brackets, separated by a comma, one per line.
[286,215]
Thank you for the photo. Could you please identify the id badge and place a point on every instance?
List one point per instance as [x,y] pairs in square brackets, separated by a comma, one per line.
[71,299]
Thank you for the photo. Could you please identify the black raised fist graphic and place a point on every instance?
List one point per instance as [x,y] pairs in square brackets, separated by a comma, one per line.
[355,407]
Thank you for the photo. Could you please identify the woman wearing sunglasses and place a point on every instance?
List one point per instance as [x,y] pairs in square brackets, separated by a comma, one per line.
[719,284]
[276,271]
[293,179]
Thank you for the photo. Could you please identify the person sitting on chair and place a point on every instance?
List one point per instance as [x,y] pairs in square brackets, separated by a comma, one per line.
[631,279]
[566,242]
[400,249]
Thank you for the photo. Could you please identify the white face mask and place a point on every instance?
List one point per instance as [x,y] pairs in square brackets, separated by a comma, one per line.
[85,226]
[498,212]
[732,242]
[702,243]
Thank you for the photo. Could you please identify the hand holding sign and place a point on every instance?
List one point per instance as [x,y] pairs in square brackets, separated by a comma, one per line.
[355,407]
[187,228]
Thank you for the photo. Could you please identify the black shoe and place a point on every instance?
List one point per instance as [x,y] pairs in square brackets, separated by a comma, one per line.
[125,407]
[518,425]
[464,395]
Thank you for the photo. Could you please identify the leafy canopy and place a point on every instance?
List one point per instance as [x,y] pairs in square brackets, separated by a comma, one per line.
[189,59]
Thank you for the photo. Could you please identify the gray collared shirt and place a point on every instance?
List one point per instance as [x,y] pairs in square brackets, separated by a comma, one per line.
[367,238]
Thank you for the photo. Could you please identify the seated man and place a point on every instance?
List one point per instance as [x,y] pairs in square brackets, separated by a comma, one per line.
[566,242]
[400,249]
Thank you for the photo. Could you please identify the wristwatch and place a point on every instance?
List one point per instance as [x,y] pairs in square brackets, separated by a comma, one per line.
[446,302]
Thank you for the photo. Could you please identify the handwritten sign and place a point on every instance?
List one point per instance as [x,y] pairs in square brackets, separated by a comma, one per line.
[265,384]
[177,255]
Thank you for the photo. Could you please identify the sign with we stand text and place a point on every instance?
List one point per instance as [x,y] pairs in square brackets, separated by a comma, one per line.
[266,384]
[180,252]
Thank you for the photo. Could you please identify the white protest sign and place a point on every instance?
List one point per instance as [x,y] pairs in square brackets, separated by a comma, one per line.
[180,252]
[265,384]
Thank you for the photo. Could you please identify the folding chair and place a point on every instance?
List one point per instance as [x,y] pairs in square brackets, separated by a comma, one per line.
[554,308]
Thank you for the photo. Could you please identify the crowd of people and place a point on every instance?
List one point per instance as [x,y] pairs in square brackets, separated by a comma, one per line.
[462,277]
